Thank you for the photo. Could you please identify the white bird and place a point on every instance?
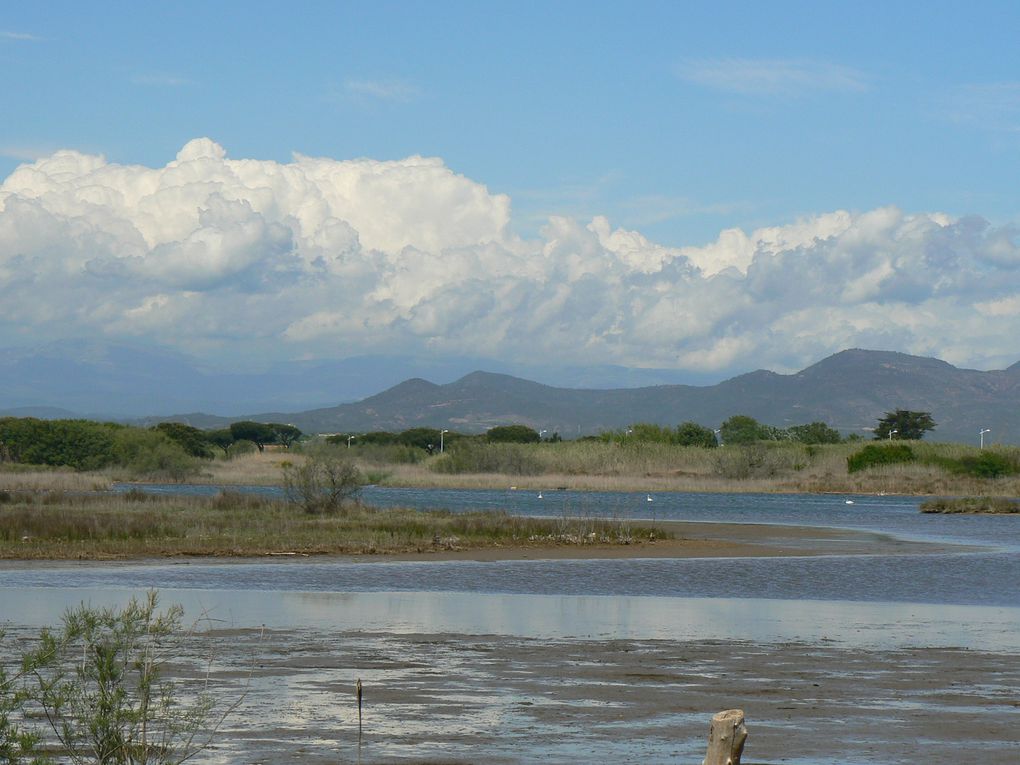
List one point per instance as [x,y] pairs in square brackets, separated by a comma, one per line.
[649,498]
[540,495]
[849,502]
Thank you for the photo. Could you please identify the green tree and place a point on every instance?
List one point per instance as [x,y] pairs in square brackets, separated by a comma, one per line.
[194,441]
[741,429]
[905,425]
[222,438]
[814,433]
[421,438]
[152,454]
[512,434]
[258,433]
[285,434]
[693,434]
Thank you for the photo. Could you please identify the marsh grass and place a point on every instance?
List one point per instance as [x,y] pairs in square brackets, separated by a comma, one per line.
[134,525]
[34,478]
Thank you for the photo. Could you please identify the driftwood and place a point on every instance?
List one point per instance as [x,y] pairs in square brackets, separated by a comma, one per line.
[726,738]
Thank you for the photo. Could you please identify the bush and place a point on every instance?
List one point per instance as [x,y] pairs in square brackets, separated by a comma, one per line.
[512,434]
[152,454]
[98,683]
[756,460]
[986,464]
[323,483]
[475,457]
[876,455]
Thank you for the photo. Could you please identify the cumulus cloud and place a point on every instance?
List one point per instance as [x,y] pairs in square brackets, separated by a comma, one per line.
[775,77]
[230,258]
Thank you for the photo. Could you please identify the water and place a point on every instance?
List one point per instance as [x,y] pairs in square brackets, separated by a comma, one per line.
[941,587]
[990,577]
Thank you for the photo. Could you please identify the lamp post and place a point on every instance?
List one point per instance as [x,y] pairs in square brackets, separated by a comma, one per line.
[349,439]
[981,435]
[892,433]
[541,433]
[718,432]
[442,443]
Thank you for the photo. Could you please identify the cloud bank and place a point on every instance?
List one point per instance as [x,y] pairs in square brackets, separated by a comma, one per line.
[239,260]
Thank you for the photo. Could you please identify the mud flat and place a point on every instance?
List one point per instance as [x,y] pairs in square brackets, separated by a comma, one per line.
[452,698]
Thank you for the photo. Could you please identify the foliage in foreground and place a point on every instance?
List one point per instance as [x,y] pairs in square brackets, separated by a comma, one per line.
[99,684]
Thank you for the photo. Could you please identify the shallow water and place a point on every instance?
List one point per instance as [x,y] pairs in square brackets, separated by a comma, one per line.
[521,661]
[989,577]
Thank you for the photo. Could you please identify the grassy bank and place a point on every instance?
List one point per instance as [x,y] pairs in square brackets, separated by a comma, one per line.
[596,466]
[974,505]
[95,527]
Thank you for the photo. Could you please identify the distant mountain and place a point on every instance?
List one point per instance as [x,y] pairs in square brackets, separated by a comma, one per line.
[109,380]
[848,391]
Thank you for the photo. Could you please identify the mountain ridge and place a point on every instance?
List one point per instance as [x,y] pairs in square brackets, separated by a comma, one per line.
[849,390]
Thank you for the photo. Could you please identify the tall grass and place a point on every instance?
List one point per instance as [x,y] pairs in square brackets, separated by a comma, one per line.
[132,525]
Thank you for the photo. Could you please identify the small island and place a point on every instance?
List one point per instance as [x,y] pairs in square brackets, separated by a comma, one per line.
[972,505]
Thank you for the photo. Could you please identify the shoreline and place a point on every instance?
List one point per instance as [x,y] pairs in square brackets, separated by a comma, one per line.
[694,539]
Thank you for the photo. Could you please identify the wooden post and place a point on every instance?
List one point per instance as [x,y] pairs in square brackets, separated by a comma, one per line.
[358,691]
[726,738]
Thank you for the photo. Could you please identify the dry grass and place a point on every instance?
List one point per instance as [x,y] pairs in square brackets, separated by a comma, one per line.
[254,469]
[595,466]
[32,478]
[135,525]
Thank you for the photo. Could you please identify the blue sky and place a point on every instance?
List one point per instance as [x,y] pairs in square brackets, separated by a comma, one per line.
[678,121]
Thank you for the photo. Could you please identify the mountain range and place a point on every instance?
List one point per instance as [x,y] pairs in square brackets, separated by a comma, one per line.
[848,391]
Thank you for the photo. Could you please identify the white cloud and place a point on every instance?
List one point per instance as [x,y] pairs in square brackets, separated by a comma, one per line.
[382,90]
[772,77]
[330,258]
[20,36]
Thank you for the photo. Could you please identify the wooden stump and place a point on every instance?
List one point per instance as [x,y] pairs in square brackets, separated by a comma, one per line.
[726,738]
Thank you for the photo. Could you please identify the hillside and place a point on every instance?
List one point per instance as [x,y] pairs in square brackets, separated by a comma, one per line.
[849,391]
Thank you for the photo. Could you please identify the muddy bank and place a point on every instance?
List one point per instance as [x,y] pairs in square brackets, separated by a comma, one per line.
[446,698]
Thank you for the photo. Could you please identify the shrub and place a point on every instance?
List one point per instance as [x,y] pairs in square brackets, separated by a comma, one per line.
[756,460]
[475,457]
[100,685]
[323,483]
[876,455]
[513,434]
[986,464]
[152,454]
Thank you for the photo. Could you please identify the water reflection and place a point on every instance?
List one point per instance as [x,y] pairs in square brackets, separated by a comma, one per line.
[870,625]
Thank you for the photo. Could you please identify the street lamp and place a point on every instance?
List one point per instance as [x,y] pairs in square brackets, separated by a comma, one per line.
[541,433]
[892,433]
[718,432]
[981,435]
[349,439]
[442,444]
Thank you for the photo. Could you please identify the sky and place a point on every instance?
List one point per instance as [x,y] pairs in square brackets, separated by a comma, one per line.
[710,187]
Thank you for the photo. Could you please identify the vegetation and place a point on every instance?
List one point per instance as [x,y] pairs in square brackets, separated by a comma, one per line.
[512,434]
[874,455]
[741,429]
[99,684]
[990,505]
[814,433]
[137,525]
[904,425]
[324,483]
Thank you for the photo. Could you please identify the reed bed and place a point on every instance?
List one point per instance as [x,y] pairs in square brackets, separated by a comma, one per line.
[136,525]
[33,478]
